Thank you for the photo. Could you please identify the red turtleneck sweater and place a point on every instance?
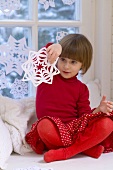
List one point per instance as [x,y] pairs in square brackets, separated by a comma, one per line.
[66,99]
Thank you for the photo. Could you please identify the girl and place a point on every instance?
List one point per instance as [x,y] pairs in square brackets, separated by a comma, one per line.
[66,124]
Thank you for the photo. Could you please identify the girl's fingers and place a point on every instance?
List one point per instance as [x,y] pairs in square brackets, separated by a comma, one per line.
[49,48]
[52,59]
[108,113]
[103,98]
[109,102]
[109,105]
[50,53]
[108,110]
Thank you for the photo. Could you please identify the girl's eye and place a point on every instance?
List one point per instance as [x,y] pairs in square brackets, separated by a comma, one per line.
[73,62]
[62,59]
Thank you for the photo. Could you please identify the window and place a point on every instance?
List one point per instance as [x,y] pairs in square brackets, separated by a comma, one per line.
[30,25]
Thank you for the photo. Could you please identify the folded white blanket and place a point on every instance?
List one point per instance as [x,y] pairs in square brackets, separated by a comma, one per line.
[18,115]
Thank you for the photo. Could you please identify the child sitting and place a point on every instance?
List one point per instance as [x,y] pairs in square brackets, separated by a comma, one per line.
[66,124]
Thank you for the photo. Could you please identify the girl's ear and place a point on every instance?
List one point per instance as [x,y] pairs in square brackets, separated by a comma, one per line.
[81,70]
[81,67]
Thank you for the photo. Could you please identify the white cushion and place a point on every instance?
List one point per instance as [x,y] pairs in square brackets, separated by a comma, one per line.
[18,115]
[94,93]
[5,145]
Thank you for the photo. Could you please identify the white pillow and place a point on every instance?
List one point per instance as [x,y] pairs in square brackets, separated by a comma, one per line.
[5,145]
[18,115]
[94,93]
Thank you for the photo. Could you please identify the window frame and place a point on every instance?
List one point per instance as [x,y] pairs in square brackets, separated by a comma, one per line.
[86,25]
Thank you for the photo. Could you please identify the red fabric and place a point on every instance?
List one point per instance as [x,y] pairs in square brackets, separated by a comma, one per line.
[46,134]
[33,139]
[68,132]
[95,151]
[66,99]
[65,102]
[108,143]
[48,44]
[84,141]
[54,141]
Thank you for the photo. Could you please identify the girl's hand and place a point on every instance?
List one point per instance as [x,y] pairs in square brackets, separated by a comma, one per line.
[105,106]
[53,51]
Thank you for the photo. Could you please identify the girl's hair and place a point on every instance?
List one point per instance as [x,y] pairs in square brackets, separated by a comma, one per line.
[77,47]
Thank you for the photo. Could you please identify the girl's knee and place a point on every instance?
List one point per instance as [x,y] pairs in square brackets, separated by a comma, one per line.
[106,123]
[44,125]
[49,133]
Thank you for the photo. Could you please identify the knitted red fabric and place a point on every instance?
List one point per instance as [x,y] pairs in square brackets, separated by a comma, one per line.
[66,99]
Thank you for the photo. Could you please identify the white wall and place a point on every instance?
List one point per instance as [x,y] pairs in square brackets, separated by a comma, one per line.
[103,22]
[88,29]
[112,58]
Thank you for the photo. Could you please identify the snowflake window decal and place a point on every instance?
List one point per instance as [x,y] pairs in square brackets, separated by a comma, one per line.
[68,2]
[60,35]
[51,3]
[38,69]
[3,81]
[19,89]
[47,3]
[12,55]
[6,6]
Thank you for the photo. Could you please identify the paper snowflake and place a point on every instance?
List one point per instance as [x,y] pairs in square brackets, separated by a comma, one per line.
[68,2]
[6,6]
[60,35]
[37,69]
[47,4]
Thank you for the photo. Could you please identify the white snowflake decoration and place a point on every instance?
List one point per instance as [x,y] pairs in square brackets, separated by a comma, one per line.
[13,54]
[47,4]
[37,69]
[6,6]
[68,2]
[19,89]
[3,81]
[60,35]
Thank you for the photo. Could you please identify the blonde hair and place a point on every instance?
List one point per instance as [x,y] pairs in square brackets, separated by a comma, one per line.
[79,48]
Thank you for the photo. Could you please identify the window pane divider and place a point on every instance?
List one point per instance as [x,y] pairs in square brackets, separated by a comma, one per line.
[17,23]
[59,23]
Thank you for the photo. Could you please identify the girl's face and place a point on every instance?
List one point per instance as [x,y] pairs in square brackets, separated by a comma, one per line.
[68,68]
